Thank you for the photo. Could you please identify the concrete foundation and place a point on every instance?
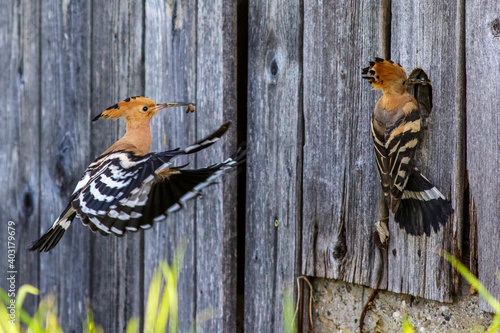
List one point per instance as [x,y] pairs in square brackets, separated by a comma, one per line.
[338,306]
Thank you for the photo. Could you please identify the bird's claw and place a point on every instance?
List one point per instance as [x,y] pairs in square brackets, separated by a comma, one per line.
[381,235]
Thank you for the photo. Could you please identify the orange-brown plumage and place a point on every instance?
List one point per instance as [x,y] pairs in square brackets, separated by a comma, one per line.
[386,75]
[137,112]
[418,206]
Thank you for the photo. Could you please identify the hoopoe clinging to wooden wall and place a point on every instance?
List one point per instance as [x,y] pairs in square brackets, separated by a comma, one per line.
[417,204]
[127,188]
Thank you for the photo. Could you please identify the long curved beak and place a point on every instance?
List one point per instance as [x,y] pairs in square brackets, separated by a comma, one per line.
[189,106]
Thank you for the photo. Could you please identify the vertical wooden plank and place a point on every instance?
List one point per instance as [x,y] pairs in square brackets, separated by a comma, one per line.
[19,152]
[341,186]
[483,130]
[216,211]
[229,225]
[117,73]
[65,119]
[423,35]
[463,245]
[274,76]
[170,75]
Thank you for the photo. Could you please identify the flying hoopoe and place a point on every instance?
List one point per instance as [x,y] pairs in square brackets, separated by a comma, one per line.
[417,204]
[127,188]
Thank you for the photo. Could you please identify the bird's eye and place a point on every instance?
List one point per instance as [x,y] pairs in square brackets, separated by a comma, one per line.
[404,82]
[145,108]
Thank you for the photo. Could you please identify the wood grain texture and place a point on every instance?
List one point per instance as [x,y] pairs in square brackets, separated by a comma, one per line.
[312,187]
[483,130]
[19,151]
[65,129]
[229,225]
[117,73]
[216,211]
[461,236]
[274,75]
[428,42]
[340,183]
[170,76]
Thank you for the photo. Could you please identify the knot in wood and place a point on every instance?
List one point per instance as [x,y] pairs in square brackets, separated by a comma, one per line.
[274,67]
[339,250]
[495,27]
[28,205]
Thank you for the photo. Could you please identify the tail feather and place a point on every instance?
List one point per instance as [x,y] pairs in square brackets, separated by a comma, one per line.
[423,207]
[52,236]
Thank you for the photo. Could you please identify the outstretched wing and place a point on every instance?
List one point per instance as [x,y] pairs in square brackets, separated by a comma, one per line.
[400,141]
[170,189]
[120,180]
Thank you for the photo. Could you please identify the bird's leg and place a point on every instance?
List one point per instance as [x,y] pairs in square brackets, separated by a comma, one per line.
[381,234]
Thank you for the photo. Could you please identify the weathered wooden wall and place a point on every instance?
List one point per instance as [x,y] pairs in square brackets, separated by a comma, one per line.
[482,54]
[66,62]
[415,266]
[340,182]
[339,194]
[274,141]
[311,184]
[20,131]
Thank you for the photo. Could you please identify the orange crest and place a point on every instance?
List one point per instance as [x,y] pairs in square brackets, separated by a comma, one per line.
[120,109]
[382,73]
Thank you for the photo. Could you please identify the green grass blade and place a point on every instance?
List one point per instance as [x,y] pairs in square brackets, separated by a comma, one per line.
[290,325]
[180,250]
[23,291]
[133,326]
[407,326]
[45,318]
[21,295]
[201,318]
[163,313]
[152,304]
[89,323]
[171,289]
[495,324]
[4,297]
[473,281]
[4,321]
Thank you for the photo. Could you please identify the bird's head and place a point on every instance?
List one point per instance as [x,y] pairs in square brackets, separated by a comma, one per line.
[386,75]
[138,108]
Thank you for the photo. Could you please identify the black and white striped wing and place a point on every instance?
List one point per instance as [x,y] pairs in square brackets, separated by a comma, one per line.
[112,194]
[401,140]
[165,194]
[112,178]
